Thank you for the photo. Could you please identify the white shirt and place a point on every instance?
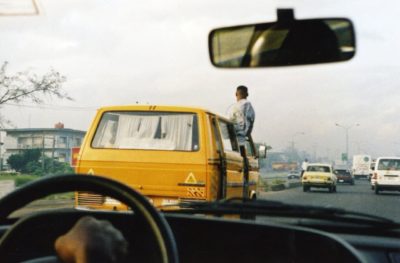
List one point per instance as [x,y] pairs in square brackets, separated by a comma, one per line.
[304,166]
[243,115]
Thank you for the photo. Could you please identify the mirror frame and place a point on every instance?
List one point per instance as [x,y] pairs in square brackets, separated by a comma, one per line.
[284,16]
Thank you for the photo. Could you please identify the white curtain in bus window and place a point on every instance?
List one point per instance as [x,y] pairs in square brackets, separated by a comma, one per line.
[178,131]
[105,134]
[136,132]
[145,131]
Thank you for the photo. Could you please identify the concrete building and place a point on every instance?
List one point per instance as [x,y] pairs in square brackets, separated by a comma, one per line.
[55,142]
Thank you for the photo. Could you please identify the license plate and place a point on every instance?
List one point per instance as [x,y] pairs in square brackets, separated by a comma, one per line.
[166,202]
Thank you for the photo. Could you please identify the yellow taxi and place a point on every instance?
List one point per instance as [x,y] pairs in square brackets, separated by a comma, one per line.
[319,175]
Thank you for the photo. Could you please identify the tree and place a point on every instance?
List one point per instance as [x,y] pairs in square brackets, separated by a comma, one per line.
[30,161]
[23,161]
[27,86]
[16,162]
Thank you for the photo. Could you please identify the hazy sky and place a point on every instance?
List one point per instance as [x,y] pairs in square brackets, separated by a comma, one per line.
[121,52]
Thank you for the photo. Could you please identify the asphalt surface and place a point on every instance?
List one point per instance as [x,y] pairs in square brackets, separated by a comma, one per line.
[358,197]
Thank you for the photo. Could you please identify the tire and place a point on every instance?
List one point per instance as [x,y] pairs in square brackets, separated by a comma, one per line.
[330,189]
[372,187]
[334,189]
[377,190]
[306,188]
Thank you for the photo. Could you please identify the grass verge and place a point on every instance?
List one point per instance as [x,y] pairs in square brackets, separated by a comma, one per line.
[21,179]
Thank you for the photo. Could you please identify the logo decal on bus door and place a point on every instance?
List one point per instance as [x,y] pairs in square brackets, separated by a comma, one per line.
[91,172]
[191,179]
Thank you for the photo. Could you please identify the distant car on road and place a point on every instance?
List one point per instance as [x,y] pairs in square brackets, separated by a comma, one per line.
[387,174]
[294,175]
[319,175]
[344,176]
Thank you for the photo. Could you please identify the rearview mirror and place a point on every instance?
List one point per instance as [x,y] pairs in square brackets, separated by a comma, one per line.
[286,42]
[262,151]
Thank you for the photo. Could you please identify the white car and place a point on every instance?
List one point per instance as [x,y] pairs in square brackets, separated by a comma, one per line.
[386,176]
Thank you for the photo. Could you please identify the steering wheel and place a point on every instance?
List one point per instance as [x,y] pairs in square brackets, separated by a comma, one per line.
[140,206]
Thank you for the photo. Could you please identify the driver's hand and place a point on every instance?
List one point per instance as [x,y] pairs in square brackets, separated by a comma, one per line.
[92,241]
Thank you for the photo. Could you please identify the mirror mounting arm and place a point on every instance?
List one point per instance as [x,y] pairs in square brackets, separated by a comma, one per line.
[285,15]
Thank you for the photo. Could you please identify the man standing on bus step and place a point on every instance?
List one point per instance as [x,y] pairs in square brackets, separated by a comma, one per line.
[304,166]
[242,114]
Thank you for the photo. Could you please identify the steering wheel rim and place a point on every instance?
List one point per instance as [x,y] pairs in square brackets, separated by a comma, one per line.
[76,182]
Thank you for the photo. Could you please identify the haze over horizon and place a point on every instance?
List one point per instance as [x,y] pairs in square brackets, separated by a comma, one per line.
[156,52]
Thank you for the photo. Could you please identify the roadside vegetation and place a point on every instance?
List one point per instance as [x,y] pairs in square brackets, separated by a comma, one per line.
[30,165]
[21,179]
[271,185]
[18,178]
[32,162]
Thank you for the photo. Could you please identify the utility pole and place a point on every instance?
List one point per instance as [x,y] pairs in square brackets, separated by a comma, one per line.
[52,153]
[292,144]
[315,152]
[347,128]
[43,145]
[1,156]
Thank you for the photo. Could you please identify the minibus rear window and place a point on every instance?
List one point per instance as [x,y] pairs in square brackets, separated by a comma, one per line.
[147,131]
[389,164]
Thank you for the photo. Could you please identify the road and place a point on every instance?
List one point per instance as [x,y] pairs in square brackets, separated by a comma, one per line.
[358,197]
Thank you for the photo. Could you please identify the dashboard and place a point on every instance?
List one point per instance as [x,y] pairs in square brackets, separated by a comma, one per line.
[208,239]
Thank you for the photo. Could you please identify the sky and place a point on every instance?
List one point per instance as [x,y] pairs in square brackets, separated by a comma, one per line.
[156,52]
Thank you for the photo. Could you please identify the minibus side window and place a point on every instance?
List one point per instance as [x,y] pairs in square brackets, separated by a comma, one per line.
[195,135]
[228,135]
[216,133]
[249,149]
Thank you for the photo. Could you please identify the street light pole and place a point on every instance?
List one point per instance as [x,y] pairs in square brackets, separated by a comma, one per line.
[347,145]
[347,128]
[292,142]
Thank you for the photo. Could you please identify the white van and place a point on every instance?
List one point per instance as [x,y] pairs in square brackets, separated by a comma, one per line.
[387,174]
[361,166]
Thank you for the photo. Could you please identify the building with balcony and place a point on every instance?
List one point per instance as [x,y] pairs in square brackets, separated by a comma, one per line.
[55,142]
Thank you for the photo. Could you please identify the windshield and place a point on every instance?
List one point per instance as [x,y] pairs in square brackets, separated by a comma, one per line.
[81,56]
